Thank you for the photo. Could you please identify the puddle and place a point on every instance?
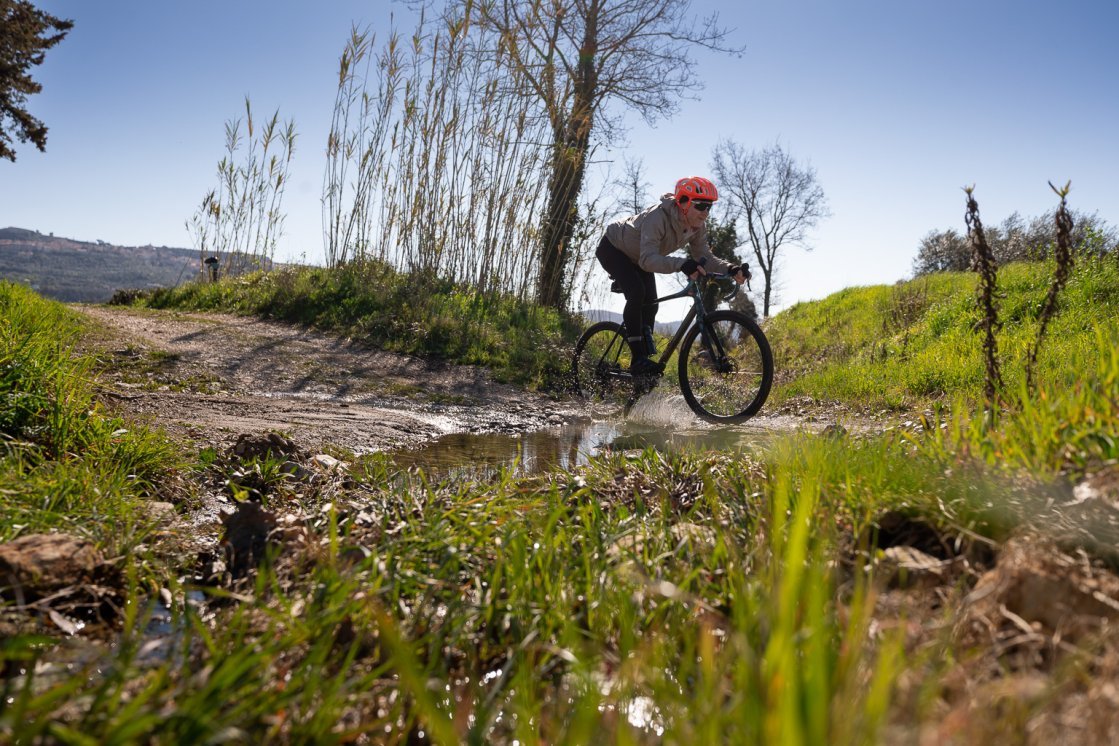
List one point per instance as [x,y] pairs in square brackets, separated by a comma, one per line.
[664,424]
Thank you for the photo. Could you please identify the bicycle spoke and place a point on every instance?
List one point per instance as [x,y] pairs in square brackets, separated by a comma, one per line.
[601,364]
[726,368]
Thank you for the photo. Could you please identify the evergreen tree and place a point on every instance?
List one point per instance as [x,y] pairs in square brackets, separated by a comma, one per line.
[26,33]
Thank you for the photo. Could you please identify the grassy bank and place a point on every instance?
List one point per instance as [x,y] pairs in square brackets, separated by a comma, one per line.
[65,462]
[915,342]
[376,304]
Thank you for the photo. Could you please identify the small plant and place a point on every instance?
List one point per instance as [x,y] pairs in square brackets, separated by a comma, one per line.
[987,293]
[1063,256]
[902,309]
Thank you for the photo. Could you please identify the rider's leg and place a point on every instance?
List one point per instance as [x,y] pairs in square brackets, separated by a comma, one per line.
[638,286]
[649,314]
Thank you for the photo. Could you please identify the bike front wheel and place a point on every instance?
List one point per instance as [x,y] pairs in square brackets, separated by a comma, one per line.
[726,368]
[602,359]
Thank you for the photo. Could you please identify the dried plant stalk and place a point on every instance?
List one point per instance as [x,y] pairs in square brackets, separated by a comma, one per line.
[987,294]
[1063,256]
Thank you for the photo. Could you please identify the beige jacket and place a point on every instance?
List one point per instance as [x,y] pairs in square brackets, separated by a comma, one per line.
[650,236]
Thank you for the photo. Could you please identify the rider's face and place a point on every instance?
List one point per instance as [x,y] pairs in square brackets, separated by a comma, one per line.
[694,218]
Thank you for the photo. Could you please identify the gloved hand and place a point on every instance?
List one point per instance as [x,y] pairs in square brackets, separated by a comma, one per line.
[689,267]
[734,269]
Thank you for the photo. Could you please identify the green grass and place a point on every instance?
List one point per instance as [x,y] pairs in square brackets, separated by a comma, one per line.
[65,462]
[701,598]
[907,345]
[689,598]
[372,302]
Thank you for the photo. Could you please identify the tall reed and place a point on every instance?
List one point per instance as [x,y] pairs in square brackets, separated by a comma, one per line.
[241,220]
[436,157]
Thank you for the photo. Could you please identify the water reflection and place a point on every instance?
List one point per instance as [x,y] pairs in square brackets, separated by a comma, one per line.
[470,455]
[474,455]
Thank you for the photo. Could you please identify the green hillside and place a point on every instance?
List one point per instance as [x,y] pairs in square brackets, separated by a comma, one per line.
[915,342]
[86,271]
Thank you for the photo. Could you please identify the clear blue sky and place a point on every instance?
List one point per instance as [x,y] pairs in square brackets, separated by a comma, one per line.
[897,104]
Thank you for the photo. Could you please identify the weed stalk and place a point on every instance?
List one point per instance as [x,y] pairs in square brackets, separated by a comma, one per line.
[1063,256]
[987,293]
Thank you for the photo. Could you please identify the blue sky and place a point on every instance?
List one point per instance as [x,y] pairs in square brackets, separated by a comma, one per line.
[897,104]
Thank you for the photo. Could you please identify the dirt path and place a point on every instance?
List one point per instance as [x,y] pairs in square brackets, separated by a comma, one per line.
[200,376]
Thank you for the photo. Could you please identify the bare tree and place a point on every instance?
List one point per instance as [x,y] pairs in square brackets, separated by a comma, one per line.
[575,57]
[778,201]
[632,186]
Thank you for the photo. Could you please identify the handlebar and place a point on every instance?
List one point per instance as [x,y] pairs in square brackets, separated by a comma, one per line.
[718,276]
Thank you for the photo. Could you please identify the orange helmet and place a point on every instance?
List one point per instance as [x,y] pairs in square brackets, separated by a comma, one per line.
[695,187]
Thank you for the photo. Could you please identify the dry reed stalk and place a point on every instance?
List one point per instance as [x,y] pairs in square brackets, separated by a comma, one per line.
[241,221]
[1063,256]
[450,159]
[987,293]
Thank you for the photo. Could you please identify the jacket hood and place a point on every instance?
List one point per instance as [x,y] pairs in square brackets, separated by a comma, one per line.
[668,204]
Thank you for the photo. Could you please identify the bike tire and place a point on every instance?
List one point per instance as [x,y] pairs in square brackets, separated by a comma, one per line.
[732,382]
[600,354]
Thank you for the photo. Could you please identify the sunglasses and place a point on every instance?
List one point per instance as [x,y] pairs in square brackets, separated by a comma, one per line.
[702,206]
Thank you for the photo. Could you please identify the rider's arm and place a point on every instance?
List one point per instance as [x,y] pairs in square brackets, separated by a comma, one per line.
[698,248]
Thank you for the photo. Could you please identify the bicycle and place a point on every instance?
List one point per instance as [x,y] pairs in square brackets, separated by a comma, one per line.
[725,365]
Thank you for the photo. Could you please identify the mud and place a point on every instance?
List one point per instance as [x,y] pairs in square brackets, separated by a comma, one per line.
[207,376]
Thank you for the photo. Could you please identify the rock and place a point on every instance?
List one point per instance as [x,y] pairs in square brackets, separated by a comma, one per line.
[162,512]
[1041,585]
[247,530]
[296,470]
[41,563]
[329,464]
[264,445]
[834,430]
[1102,487]
[907,567]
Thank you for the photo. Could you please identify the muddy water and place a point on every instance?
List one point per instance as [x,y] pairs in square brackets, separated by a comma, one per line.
[664,423]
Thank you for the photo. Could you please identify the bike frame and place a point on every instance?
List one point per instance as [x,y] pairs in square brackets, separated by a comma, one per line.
[696,313]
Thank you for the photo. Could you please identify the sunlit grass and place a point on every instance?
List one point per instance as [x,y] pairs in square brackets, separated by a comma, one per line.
[916,342]
[678,598]
[65,462]
[697,597]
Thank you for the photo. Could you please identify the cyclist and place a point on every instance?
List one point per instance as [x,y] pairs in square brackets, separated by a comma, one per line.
[637,246]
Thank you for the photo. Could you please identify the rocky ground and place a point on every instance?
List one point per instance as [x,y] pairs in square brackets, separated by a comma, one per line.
[213,376]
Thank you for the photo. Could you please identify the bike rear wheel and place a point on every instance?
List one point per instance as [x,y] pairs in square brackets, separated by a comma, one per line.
[602,359]
[726,368]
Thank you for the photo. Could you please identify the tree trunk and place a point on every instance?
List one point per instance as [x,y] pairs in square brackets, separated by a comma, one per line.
[569,154]
[767,294]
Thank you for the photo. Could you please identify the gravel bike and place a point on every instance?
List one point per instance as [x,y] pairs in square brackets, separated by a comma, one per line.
[725,365]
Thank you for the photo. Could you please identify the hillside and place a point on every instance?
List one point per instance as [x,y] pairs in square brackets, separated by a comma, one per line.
[904,345]
[81,271]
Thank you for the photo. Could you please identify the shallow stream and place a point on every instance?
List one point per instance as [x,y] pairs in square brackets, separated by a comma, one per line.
[661,422]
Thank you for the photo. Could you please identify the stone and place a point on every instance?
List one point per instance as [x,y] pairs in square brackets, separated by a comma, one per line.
[41,563]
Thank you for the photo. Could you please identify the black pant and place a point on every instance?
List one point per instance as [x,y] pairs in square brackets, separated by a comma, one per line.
[639,287]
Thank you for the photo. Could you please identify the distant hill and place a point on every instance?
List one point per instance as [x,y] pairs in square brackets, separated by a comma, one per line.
[599,314]
[89,272]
